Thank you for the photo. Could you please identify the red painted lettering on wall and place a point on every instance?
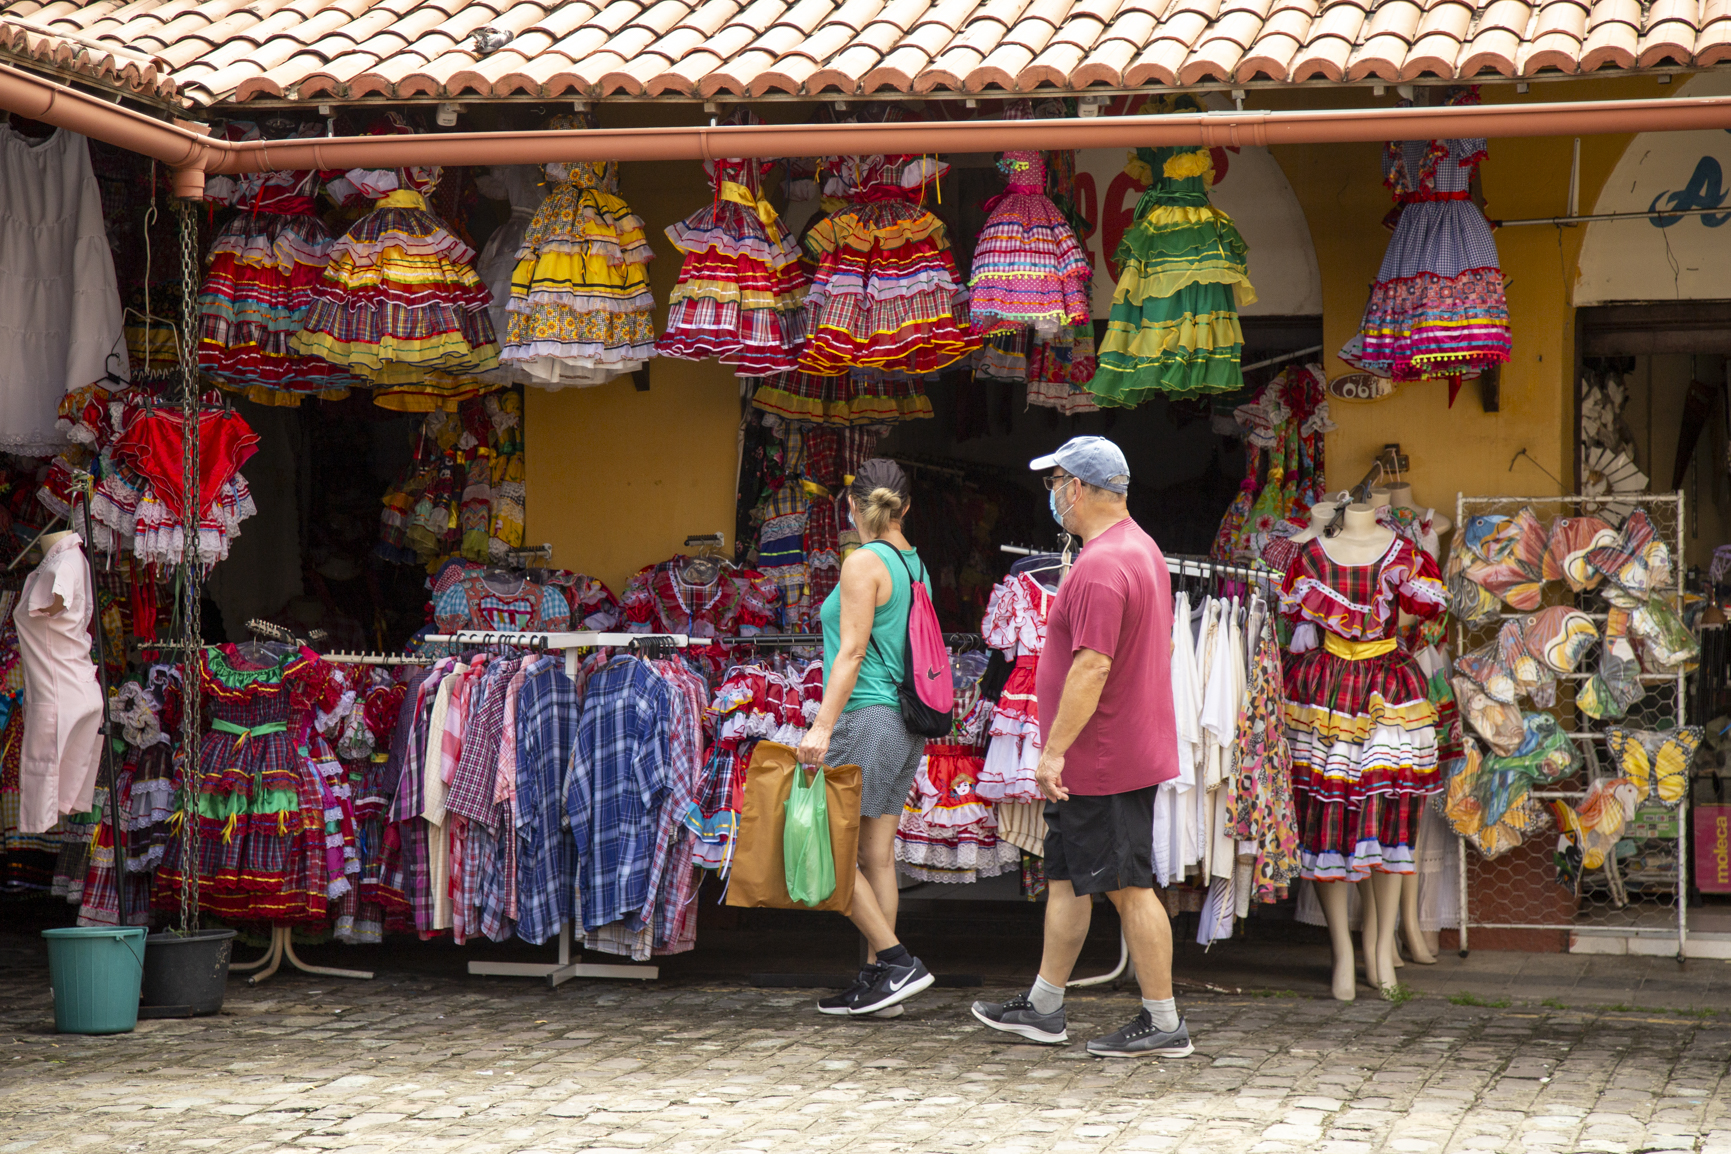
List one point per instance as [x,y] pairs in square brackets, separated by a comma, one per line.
[1088,204]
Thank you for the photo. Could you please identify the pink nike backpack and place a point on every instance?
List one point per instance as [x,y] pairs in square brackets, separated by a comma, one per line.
[928,696]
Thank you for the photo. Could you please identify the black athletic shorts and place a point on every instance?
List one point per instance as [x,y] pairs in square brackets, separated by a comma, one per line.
[1104,843]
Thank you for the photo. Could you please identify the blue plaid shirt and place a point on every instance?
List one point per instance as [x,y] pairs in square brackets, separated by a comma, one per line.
[546,729]
[618,776]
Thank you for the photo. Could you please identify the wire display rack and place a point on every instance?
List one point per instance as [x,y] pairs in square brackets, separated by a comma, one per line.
[1643,892]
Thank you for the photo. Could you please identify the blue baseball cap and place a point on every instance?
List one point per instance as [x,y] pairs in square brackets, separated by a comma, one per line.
[1094,459]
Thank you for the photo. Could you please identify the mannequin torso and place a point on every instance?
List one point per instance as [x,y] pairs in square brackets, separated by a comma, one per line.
[1400,496]
[1361,540]
[1321,514]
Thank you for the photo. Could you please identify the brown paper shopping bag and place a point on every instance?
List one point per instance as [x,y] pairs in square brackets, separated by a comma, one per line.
[759,876]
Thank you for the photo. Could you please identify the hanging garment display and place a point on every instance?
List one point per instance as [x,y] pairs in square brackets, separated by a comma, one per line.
[1028,269]
[854,398]
[580,300]
[400,300]
[264,263]
[1359,717]
[59,299]
[1173,329]
[524,188]
[887,294]
[1286,421]
[1015,625]
[137,504]
[741,291]
[1437,307]
[62,700]
[462,493]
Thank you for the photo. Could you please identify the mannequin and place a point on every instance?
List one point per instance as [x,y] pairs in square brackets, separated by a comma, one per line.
[1400,496]
[62,696]
[1321,514]
[1331,716]
[1420,943]
[1362,541]
[1379,497]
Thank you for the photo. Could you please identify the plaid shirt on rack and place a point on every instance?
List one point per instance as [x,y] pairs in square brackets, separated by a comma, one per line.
[499,891]
[546,731]
[469,802]
[617,777]
[411,878]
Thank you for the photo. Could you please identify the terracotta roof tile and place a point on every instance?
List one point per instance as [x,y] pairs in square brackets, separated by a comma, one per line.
[1379,57]
[215,52]
[1714,44]
[1212,60]
[1492,50]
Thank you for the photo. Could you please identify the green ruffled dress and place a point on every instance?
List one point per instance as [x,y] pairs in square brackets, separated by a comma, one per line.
[1173,329]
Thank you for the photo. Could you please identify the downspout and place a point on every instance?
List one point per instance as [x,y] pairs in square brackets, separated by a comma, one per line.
[192,156]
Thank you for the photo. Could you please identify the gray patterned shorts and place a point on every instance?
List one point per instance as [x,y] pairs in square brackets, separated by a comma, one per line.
[874,738]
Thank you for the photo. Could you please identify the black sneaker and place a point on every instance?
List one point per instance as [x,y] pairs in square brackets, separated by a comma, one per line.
[892,985]
[1140,1039]
[843,1003]
[1018,1016]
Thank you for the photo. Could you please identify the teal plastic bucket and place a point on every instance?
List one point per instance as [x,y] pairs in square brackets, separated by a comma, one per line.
[95,971]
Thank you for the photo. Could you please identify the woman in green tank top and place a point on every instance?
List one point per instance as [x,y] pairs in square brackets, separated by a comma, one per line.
[865,631]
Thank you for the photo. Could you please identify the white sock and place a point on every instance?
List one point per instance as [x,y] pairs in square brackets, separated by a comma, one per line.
[1164,1011]
[1047,998]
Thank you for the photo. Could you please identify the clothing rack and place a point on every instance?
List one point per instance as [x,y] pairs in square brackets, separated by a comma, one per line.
[1203,567]
[344,657]
[569,643]
[774,640]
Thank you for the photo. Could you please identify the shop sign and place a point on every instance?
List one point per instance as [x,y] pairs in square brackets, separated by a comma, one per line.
[1713,849]
[1664,255]
[1360,387]
[1249,185]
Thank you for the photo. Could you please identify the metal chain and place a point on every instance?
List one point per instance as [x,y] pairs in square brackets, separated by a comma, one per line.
[191,571]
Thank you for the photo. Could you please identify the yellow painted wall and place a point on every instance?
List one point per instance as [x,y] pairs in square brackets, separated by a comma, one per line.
[617,479]
[1463,449]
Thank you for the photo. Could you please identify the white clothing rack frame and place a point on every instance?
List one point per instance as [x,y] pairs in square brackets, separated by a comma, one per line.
[571,644]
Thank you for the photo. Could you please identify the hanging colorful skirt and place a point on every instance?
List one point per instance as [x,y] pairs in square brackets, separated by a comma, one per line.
[1028,268]
[400,299]
[1364,757]
[263,269]
[1437,308]
[1173,330]
[580,301]
[860,397]
[741,292]
[887,294]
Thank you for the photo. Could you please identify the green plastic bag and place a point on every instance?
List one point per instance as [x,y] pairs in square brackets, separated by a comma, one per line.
[805,841]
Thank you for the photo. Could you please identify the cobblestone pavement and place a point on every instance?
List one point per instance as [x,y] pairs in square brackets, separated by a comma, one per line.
[412,1063]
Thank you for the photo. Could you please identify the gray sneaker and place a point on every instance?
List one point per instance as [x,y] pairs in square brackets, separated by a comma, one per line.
[1018,1016]
[1140,1039]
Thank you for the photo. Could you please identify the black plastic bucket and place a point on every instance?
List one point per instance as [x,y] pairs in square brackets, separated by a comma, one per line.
[185,975]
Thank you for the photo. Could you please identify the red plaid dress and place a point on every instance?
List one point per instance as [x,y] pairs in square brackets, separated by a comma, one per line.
[1362,728]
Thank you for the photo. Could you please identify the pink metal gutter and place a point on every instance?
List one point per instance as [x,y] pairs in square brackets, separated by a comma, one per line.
[192,155]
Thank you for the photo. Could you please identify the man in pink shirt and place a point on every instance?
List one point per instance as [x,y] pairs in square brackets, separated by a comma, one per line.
[1107,735]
